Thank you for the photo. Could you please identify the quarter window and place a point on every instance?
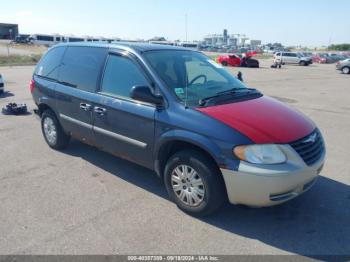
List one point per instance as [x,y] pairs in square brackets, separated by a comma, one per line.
[120,75]
[50,63]
[81,67]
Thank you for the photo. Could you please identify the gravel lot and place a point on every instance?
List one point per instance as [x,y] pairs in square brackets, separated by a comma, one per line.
[84,201]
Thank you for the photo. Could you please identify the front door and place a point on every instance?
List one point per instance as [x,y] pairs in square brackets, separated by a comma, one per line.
[123,126]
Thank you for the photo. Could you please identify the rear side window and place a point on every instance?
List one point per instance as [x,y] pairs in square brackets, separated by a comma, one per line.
[120,75]
[50,63]
[81,67]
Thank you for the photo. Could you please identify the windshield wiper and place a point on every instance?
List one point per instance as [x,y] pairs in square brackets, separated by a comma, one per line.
[232,91]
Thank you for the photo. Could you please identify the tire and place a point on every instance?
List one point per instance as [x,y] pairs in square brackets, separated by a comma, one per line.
[224,63]
[345,70]
[212,188]
[51,126]
[303,63]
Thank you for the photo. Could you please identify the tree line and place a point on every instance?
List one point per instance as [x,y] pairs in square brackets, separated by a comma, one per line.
[340,47]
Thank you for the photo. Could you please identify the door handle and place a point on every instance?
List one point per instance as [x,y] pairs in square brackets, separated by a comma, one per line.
[85,107]
[100,111]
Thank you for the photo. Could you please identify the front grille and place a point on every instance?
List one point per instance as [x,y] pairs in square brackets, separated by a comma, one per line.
[310,148]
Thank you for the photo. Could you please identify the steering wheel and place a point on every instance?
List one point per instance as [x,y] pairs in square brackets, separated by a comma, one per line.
[197,77]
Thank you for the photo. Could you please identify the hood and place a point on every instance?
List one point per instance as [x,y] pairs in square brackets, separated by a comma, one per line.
[263,120]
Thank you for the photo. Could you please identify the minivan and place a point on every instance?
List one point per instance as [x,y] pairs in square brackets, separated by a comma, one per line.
[292,58]
[177,112]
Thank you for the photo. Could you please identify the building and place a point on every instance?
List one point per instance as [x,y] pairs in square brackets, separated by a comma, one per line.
[253,43]
[225,39]
[8,31]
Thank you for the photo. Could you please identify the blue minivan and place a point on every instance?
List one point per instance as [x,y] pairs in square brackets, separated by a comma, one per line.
[175,111]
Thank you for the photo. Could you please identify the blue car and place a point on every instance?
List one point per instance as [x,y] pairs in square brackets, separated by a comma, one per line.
[210,138]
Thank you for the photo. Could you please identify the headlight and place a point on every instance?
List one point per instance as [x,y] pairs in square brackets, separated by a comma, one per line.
[260,154]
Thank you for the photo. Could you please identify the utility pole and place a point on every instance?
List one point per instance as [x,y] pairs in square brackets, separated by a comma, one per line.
[186,26]
[329,42]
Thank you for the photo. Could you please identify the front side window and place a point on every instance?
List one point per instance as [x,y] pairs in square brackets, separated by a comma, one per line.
[81,67]
[194,77]
[121,74]
[50,63]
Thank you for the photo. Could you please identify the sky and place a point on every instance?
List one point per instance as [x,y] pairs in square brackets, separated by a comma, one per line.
[297,22]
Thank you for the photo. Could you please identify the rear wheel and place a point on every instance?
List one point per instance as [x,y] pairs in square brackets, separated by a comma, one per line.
[194,183]
[346,70]
[52,131]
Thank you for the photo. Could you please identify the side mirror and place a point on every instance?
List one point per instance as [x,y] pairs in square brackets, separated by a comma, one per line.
[144,94]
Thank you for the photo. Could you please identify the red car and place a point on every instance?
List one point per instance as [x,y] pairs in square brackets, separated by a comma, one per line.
[232,60]
[235,60]
[319,58]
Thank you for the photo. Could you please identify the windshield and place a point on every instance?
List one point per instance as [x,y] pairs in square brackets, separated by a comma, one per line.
[191,75]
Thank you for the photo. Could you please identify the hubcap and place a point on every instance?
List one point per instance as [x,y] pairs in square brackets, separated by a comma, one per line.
[50,131]
[346,70]
[188,185]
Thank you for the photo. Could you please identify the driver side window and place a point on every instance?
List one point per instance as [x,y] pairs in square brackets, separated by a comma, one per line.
[120,75]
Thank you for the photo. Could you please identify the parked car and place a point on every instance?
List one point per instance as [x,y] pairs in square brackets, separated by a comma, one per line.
[2,84]
[331,59]
[236,60]
[179,113]
[344,66]
[232,60]
[336,57]
[292,58]
[21,39]
[319,58]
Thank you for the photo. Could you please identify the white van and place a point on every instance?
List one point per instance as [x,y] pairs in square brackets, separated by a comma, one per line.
[292,58]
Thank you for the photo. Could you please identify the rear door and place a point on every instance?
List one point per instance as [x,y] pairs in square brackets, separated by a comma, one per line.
[286,58]
[123,126]
[294,59]
[75,92]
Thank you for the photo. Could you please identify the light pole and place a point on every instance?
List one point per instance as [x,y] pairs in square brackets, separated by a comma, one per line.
[186,26]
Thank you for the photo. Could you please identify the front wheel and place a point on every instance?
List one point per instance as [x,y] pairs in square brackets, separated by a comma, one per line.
[224,63]
[346,70]
[194,183]
[52,131]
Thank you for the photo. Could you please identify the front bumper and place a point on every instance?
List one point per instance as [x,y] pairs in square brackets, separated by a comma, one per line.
[268,185]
